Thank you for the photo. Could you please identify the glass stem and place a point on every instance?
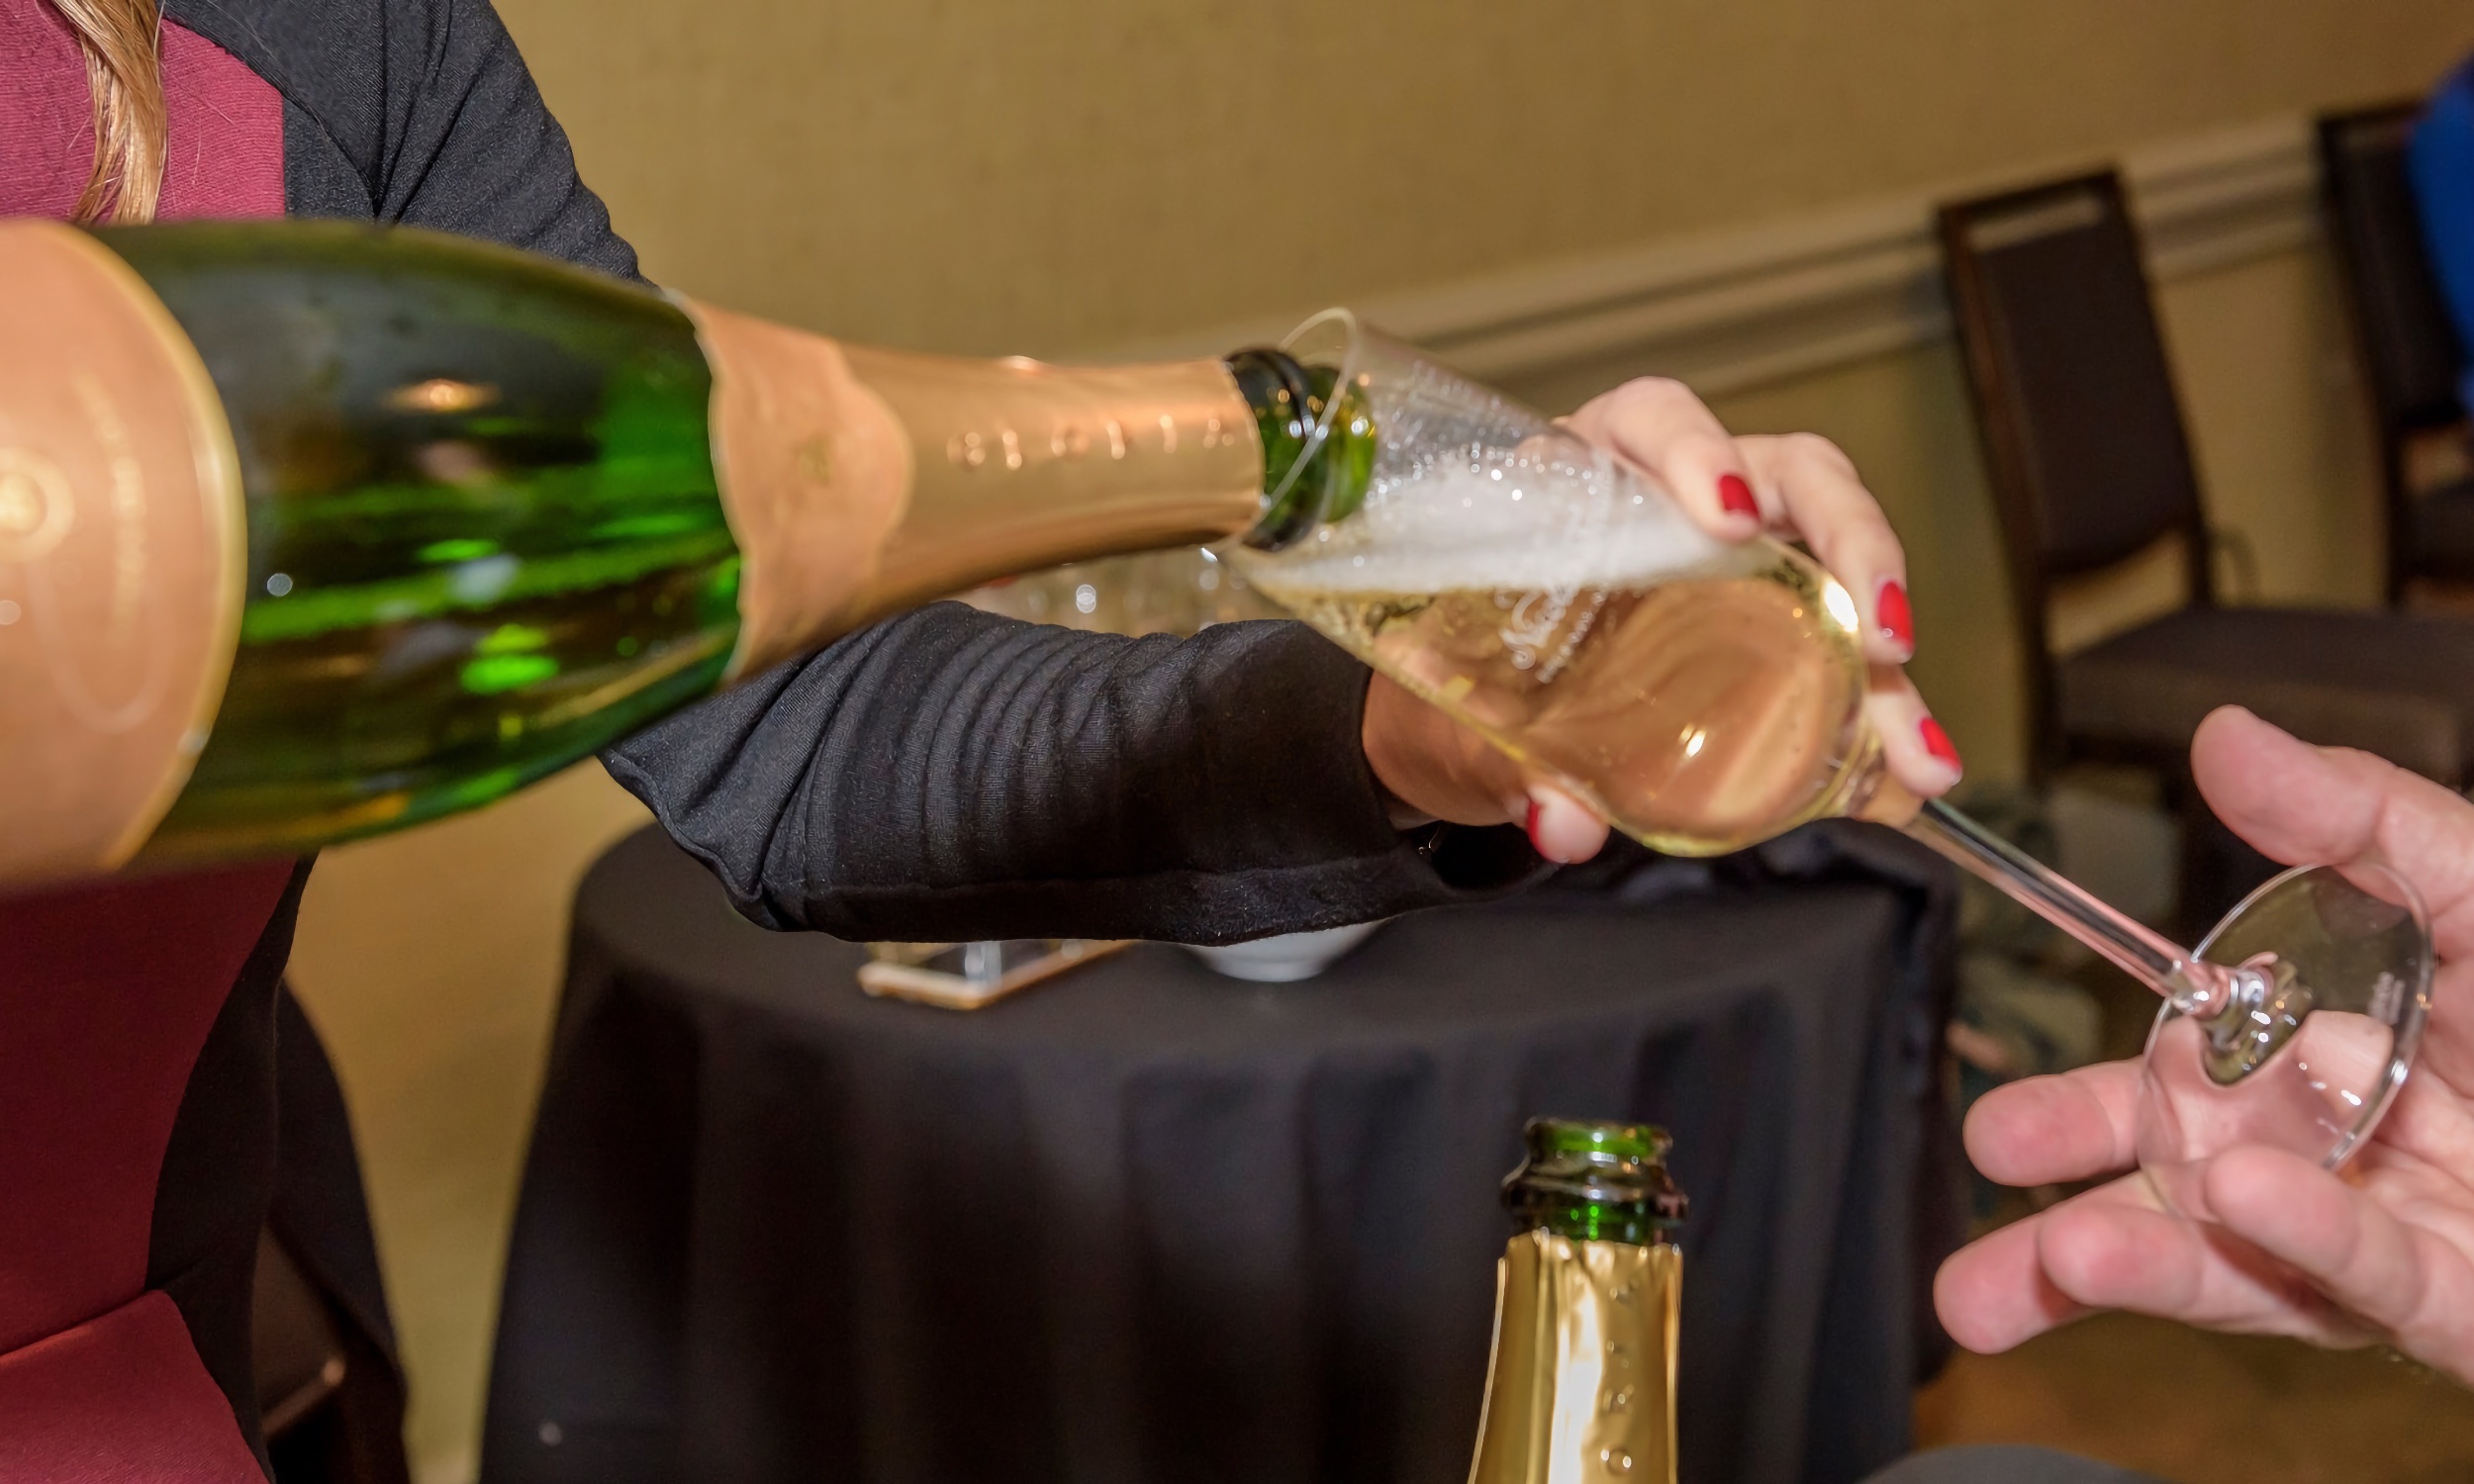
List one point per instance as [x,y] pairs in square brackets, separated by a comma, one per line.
[2195,987]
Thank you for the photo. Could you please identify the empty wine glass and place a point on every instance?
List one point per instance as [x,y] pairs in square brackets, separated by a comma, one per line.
[2291,1025]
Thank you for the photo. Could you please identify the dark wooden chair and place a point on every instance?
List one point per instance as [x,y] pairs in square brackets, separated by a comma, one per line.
[2408,345]
[2092,469]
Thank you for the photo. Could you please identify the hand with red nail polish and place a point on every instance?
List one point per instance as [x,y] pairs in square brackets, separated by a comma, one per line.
[1561,829]
[1938,743]
[1800,487]
[1440,769]
[1735,497]
[1890,611]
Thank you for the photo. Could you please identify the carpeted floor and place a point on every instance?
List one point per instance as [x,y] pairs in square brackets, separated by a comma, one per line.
[2209,1408]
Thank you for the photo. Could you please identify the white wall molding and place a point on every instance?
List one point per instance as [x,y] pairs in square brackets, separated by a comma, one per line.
[1749,306]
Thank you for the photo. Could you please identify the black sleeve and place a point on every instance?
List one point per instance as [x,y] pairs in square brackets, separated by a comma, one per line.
[417,112]
[952,775]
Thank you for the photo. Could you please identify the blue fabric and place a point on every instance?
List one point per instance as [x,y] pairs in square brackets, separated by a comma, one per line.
[2442,163]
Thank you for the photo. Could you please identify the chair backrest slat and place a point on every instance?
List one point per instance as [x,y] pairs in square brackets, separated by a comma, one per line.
[2409,346]
[2083,434]
[2070,368]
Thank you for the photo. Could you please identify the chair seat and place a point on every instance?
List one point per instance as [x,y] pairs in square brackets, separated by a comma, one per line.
[2397,684]
[2440,533]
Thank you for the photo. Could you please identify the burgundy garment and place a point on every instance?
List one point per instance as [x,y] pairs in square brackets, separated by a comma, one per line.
[119,1400]
[107,992]
[417,112]
[223,153]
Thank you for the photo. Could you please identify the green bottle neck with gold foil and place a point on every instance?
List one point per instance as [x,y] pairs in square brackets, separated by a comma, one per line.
[1595,1181]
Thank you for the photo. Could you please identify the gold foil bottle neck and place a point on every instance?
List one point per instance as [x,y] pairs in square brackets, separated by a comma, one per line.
[860,482]
[816,475]
[1581,1387]
[1019,465]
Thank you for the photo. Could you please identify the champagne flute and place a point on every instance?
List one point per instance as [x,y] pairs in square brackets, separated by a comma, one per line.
[1703,696]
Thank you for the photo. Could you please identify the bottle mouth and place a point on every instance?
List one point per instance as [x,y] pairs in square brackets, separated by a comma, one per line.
[1616,1169]
[1597,1142]
[1331,338]
[1301,387]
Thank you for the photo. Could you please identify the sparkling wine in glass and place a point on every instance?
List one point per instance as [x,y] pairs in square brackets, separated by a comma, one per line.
[1703,696]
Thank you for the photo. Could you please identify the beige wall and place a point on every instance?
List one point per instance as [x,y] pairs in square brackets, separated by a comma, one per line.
[983,176]
[1060,176]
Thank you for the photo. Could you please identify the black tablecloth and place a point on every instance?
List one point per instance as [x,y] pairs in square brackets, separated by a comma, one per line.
[1148,1224]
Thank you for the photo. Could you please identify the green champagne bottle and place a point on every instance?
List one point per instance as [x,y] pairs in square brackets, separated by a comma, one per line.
[1581,1383]
[310,530]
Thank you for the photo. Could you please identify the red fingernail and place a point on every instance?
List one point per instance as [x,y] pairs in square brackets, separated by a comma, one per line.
[1737,496]
[1890,609]
[1534,841]
[1938,743]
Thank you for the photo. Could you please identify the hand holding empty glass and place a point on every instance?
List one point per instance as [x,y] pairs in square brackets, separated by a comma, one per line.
[2383,1253]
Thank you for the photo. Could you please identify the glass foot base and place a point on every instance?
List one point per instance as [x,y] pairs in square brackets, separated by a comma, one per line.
[2310,1051]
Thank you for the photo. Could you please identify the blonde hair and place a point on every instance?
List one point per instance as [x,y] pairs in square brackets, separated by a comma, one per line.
[122,44]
